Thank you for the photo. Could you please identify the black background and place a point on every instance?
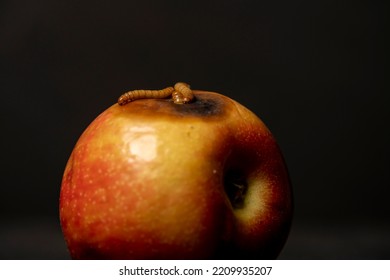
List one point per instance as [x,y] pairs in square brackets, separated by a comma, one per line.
[313,71]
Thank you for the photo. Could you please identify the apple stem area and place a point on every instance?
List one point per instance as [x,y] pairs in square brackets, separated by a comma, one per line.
[235,187]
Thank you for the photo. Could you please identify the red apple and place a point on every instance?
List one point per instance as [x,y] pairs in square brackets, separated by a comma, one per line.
[158,180]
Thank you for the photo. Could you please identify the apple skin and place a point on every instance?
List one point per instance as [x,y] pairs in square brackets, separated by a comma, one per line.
[149,180]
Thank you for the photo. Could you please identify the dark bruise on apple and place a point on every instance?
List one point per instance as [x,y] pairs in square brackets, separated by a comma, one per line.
[158,180]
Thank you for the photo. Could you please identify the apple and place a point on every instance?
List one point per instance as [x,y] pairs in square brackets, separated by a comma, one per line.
[159,180]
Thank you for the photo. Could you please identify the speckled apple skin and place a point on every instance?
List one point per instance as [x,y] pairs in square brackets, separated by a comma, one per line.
[146,181]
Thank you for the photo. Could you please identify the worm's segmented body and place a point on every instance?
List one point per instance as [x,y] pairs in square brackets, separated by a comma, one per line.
[143,93]
[181,94]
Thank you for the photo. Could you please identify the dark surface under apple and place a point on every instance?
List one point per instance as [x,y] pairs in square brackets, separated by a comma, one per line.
[42,239]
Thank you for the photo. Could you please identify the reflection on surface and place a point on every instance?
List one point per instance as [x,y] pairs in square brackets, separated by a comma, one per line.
[142,143]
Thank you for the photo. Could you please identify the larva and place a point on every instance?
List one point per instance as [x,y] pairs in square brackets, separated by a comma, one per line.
[142,93]
[184,93]
[181,94]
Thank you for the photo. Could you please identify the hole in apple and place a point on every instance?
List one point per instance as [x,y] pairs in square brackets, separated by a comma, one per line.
[236,187]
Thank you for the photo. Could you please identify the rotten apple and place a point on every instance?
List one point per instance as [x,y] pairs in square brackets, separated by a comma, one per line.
[158,180]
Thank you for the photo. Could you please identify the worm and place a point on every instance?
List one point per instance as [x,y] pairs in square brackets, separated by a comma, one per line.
[142,93]
[182,94]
